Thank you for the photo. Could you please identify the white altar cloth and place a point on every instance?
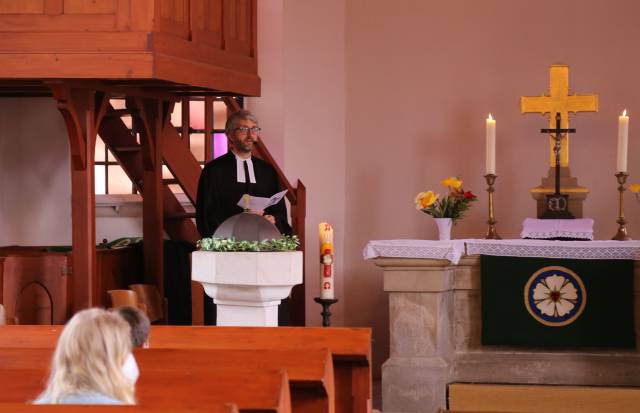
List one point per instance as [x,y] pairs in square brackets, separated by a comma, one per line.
[453,250]
[581,228]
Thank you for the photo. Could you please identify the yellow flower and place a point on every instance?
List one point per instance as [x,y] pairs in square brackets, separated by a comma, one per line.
[452,182]
[425,199]
[635,188]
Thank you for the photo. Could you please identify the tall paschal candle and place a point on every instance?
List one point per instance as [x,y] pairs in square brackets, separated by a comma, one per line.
[326,261]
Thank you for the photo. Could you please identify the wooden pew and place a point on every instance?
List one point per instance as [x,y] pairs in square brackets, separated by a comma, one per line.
[350,348]
[262,391]
[68,408]
[310,371]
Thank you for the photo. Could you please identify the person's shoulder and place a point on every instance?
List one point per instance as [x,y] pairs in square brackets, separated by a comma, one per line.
[90,398]
[260,163]
[220,161]
[80,398]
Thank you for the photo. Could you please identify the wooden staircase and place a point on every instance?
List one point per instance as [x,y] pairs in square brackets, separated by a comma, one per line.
[176,155]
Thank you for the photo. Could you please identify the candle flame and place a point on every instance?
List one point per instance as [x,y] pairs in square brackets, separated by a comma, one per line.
[624,112]
[490,117]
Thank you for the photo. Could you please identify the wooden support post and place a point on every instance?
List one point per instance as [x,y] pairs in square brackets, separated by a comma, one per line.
[82,110]
[298,214]
[153,114]
[208,128]
[186,120]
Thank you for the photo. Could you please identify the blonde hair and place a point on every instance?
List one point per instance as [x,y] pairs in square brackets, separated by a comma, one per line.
[89,356]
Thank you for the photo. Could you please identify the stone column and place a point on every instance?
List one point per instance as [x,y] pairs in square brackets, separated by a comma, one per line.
[415,376]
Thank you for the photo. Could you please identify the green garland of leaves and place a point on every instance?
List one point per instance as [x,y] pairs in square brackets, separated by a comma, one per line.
[286,243]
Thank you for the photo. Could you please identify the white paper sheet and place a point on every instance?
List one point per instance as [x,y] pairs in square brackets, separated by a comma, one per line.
[258,203]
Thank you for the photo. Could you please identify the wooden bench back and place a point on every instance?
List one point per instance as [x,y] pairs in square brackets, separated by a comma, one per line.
[311,371]
[350,348]
[344,343]
[261,390]
[306,368]
[67,408]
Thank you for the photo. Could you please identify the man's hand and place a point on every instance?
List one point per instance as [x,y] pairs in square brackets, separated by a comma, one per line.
[269,218]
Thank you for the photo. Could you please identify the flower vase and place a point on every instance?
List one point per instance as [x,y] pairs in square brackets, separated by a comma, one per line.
[444,228]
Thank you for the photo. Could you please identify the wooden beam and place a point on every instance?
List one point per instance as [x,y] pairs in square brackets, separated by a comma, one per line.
[208,128]
[298,216]
[186,120]
[208,76]
[152,114]
[82,110]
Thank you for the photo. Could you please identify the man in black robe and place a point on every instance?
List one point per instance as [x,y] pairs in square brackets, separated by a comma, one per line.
[225,179]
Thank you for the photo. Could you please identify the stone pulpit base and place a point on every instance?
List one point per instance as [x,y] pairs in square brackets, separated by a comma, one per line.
[435,332]
[247,286]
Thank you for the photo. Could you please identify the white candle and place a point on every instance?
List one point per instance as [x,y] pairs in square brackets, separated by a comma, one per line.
[490,164]
[623,141]
[326,261]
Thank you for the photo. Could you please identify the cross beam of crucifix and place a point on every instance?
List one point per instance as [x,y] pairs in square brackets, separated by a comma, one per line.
[559,101]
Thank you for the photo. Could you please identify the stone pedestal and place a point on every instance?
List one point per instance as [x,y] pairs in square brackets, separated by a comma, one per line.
[435,333]
[568,185]
[247,286]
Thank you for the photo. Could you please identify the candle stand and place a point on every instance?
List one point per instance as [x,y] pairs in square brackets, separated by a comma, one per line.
[622,234]
[326,314]
[491,232]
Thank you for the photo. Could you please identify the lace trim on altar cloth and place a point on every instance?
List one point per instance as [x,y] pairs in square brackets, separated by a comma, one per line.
[558,234]
[412,248]
[455,249]
[594,250]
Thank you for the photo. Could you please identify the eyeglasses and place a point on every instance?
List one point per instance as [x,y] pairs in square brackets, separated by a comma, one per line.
[245,130]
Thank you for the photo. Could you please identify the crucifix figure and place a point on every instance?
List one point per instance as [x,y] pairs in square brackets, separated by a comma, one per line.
[559,101]
[557,204]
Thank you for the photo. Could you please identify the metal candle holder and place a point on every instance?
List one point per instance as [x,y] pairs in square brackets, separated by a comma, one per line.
[491,232]
[326,314]
[622,234]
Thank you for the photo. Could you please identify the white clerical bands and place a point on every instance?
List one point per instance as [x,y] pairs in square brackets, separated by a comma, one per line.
[240,170]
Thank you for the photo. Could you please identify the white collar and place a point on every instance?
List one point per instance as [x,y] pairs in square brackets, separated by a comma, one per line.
[240,170]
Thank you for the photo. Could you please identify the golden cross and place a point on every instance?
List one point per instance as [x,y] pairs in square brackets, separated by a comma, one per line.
[559,101]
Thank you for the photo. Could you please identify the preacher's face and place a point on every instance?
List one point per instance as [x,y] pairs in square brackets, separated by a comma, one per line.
[244,136]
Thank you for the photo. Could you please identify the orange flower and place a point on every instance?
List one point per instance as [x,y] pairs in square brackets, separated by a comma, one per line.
[425,199]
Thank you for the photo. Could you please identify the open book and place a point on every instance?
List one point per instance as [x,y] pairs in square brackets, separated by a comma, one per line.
[258,203]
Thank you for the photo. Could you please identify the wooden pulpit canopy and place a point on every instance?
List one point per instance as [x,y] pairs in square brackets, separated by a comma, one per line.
[185,47]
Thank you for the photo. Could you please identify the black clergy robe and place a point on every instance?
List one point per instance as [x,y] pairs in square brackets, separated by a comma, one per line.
[219,192]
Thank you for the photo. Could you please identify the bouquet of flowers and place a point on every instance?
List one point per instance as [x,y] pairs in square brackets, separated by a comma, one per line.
[453,206]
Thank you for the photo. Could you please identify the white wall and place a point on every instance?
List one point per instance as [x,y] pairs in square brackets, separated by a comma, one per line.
[35,180]
[35,198]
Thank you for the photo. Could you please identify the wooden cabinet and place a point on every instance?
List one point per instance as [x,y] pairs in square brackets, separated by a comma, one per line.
[35,284]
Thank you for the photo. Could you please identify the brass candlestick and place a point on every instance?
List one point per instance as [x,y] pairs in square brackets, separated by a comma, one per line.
[622,234]
[491,232]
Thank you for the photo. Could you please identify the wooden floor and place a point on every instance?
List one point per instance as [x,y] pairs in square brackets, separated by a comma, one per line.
[543,399]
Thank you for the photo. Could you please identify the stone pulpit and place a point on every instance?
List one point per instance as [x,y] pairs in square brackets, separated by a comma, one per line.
[247,287]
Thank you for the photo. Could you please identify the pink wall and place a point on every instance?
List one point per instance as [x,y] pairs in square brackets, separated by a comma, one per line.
[270,106]
[383,100]
[421,77]
[314,129]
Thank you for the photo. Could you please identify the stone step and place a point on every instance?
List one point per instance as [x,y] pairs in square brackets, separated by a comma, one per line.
[516,398]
